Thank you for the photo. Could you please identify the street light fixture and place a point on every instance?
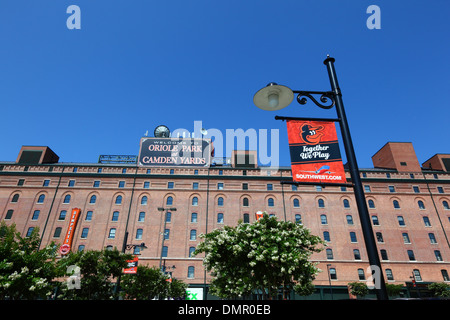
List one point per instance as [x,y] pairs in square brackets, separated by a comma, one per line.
[276,97]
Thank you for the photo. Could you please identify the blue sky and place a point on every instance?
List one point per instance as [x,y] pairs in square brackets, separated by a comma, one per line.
[136,64]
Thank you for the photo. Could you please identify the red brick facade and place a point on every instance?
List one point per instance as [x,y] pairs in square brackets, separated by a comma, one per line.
[409,211]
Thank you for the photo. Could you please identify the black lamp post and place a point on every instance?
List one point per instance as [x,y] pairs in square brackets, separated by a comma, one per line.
[275,97]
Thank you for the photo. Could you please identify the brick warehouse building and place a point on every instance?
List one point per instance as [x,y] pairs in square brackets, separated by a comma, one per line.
[409,205]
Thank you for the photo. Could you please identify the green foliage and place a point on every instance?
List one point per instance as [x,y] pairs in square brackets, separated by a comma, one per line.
[393,289]
[440,289]
[264,256]
[25,271]
[151,283]
[358,289]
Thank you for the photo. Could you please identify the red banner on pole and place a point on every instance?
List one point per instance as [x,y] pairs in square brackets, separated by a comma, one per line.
[131,266]
[65,247]
[314,149]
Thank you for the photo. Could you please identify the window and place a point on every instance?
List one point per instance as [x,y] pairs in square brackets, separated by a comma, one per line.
[220,172]
[391,189]
[141,217]
[93,199]
[361,275]
[149,171]
[405,237]
[426,221]
[35,215]
[15,198]
[388,175]
[440,189]
[170,185]
[29,231]
[220,202]
[57,232]
[196,171]
[20,182]
[375,221]
[115,216]
[193,235]
[191,271]
[169,201]
[246,218]
[318,188]
[84,233]
[9,214]
[293,187]
[438,256]
[329,254]
[166,234]
[46,183]
[379,236]
[220,218]
[99,170]
[269,187]
[416,189]
[417,275]
[245,186]
[396,204]
[194,217]
[389,275]
[321,203]
[367,188]
[323,219]
[371,204]
[41,198]
[445,275]
[75,170]
[67,199]
[245,202]
[353,237]
[88,216]
[144,200]
[195,201]
[349,219]
[168,216]
[401,221]
[146,184]
[421,205]
[112,233]
[71,183]
[432,238]
[220,186]
[165,251]
[298,219]
[411,255]
[445,205]
[333,274]
[270,202]
[356,254]
[346,203]
[191,251]
[139,234]
[296,203]
[383,254]
[118,199]
[96,183]
[172,171]
[62,215]
[326,236]
[195,186]
[121,184]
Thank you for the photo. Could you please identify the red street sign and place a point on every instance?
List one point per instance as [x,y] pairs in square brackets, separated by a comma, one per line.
[132,266]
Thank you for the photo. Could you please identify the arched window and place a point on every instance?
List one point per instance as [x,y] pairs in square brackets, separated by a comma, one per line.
[323,219]
[220,218]
[298,219]
[321,203]
[421,205]
[445,204]
[93,199]
[329,254]
[191,271]
[119,199]
[245,202]
[144,200]
[195,201]
[371,204]
[396,204]
[220,202]
[169,201]
[67,198]
[15,198]
[296,203]
[346,203]
[41,198]
[270,202]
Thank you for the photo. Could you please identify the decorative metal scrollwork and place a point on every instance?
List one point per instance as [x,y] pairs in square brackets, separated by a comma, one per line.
[324,97]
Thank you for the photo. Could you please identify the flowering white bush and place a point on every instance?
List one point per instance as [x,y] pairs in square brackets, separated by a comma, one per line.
[260,257]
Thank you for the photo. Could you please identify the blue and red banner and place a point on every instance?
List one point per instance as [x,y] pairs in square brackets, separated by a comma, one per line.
[314,149]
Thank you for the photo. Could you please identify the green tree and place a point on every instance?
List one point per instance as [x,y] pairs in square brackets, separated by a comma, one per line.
[358,289]
[393,289]
[97,270]
[147,283]
[260,257]
[440,289]
[25,271]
